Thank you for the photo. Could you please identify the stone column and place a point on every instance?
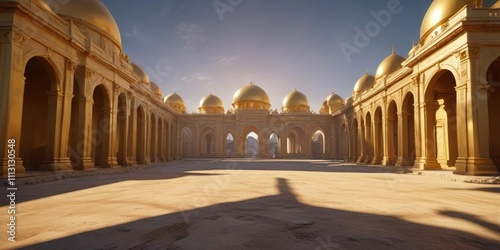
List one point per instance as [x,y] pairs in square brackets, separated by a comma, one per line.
[388,142]
[84,134]
[473,128]
[361,144]
[429,141]
[403,150]
[11,92]
[132,137]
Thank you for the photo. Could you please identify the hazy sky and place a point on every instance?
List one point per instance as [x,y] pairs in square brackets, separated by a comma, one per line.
[193,47]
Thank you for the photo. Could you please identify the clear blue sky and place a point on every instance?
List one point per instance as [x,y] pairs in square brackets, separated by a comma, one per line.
[193,48]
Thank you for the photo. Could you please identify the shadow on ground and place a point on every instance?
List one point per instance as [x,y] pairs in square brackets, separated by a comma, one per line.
[274,222]
[187,168]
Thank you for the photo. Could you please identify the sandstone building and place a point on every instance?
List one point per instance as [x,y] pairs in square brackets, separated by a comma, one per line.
[72,99]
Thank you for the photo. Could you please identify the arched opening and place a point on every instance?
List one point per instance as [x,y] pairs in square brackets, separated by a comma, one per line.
[229,145]
[392,133]
[250,145]
[274,145]
[369,143]
[441,119]
[141,130]
[100,127]
[208,142]
[493,76]
[121,130]
[409,149]
[318,144]
[343,143]
[153,138]
[187,140]
[379,138]
[355,141]
[362,143]
[40,79]
[295,141]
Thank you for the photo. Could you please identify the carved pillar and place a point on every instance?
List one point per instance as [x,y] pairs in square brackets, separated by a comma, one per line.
[84,134]
[403,150]
[389,152]
[361,142]
[473,128]
[132,137]
[11,92]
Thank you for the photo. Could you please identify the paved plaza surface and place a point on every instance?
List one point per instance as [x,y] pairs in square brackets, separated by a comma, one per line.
[257,204]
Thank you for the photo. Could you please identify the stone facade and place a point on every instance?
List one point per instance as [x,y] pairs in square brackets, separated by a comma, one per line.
[72,100]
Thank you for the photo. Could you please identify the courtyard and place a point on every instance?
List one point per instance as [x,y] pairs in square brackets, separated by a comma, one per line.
[257,204]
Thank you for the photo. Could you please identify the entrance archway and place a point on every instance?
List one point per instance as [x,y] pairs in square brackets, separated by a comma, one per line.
[229,145]
[442,119]
[40,80]
[318,144]
[208,142]
[274,145]
[493,76]
[379,138]
[100,127]
[409,147]
[250,143]
[295,141]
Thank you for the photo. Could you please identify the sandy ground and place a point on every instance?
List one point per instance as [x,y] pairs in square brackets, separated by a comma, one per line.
[256,204]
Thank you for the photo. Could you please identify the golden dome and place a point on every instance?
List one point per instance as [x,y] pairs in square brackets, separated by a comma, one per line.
[439,12]
[176,103]
[366,82]
[211,101]
[156,89]
[349,101]
[140,73]
[496,5]
[251,96]
[334,99]
[295,102]
[211,104]
[296,99]
[92,12]
[389,65]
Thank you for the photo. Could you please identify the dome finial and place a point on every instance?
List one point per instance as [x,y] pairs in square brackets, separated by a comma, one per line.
[251,82]
[393,50]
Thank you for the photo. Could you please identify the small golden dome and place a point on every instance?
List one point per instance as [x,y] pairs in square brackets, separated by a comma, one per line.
[211,101]
[349,101]
[334,99]
[366,82]
[156,90]
[251,96]
[92,12]
[439,12]
[389,65]
[295,102]
[140,73]
[174,98]
[211,104]
[295,99]
[176,103]
[496,5]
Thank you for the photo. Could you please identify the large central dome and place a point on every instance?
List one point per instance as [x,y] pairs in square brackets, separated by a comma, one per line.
[439,12]
[92,12]
[251,96]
